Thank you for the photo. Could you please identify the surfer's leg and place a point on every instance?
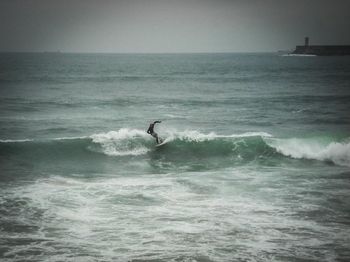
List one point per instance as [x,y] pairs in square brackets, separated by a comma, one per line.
[155,135]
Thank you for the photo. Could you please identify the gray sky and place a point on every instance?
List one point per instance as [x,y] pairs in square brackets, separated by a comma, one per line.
[170,25]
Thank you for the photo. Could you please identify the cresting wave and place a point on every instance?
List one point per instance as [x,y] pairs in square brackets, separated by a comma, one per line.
[335,152]
[184,146]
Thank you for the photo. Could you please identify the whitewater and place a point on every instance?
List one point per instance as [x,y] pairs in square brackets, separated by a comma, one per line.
[136,142]
[255,165]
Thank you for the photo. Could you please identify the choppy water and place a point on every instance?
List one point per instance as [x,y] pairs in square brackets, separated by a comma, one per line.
[256,166]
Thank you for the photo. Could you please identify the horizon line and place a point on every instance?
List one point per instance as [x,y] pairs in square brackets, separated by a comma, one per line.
[142,53]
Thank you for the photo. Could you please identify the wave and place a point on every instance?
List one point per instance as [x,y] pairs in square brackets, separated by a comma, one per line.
[137,142]
[15,140]
[183,147]
[122,143]
[335,152]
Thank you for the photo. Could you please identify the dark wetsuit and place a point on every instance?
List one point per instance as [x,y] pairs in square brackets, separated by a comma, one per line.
[152,133]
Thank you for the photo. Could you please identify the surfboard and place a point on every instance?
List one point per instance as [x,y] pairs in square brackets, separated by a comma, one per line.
[161,143]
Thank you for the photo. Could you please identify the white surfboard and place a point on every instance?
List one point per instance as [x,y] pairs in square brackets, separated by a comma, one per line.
[162,143]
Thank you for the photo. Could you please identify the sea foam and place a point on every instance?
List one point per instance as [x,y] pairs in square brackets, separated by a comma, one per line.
[196,136]
[122,142]
[336,152]
[15,140]
[137,142]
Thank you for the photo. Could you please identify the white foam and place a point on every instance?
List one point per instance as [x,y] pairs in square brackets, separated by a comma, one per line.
[111,150]
[123,133]
[31,140]
[137,142]
[122,142]
[196,136]
[250,134]
[193,135]
[15,140]
[70,138]
[337,152]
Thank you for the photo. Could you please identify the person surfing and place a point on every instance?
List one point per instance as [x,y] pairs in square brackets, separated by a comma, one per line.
[152,133]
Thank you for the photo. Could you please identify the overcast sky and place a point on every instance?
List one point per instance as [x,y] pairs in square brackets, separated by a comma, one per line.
[170,25]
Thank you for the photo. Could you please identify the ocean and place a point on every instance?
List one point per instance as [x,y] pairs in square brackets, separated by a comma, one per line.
[256,164]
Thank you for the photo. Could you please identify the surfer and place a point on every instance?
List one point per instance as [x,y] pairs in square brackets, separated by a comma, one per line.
[152,133]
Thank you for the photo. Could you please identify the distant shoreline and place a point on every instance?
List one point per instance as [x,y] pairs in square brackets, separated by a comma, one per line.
[132,53]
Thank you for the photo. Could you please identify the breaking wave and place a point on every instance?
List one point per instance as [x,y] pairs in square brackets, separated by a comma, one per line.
[122,143]
[182,146]
[335,152]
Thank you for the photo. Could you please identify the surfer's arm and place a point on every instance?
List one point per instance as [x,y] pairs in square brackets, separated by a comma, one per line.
[155,122]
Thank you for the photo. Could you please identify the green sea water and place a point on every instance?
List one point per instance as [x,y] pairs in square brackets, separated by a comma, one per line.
[256,165]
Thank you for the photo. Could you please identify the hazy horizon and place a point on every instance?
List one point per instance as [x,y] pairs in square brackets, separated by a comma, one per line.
[154,26]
